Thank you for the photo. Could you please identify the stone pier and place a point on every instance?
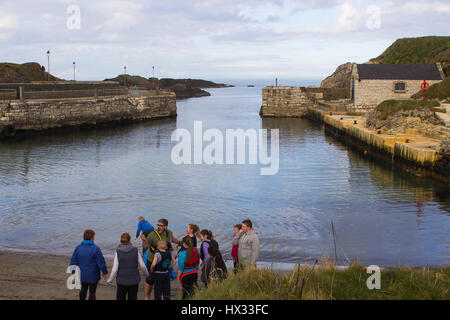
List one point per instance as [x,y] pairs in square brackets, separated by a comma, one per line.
[284,102]
[294,101]
[18,115]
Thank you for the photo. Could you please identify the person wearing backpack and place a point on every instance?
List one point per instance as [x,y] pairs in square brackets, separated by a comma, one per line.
[188,262]
[207,241]
[160,233]
[161,264]
[127,261]
[215,268]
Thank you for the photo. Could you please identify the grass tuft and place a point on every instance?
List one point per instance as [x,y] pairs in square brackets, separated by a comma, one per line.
[329,283]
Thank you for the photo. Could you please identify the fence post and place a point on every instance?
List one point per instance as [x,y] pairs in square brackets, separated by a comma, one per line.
[21,93]
[95,93]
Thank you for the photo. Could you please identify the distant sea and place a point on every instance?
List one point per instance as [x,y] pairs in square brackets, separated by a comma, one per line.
[268,82]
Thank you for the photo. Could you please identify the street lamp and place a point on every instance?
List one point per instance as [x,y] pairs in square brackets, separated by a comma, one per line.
[48,65]
[125,68]
[74,71]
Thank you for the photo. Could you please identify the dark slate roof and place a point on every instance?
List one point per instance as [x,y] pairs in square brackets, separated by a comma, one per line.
[399,71]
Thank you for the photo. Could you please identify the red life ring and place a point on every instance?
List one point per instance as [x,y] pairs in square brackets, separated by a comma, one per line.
[424,85]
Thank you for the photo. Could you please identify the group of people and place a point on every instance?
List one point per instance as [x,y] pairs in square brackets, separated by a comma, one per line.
[158,258]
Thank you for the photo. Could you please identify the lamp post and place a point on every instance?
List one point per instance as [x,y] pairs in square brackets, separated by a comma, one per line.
[125,69]
[48,65]
[74,71]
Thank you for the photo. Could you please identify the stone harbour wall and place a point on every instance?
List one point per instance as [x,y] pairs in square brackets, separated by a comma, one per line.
[284,102]
[48,114]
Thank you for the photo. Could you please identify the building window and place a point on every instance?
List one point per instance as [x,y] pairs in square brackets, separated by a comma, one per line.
[399,86]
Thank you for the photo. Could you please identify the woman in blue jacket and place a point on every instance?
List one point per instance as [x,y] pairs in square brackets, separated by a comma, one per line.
[89,258]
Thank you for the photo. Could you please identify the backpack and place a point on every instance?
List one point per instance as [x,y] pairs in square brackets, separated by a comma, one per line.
[212,243]
[166,261]
[165,265]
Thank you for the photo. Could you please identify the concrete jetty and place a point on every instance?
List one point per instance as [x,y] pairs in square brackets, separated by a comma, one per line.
[413,152]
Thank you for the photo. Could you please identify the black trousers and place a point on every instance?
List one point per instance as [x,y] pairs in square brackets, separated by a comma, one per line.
[84,289]
[127,291]
[189,282]
[162,285]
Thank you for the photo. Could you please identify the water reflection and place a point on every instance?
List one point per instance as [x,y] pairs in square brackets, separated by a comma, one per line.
[56,152]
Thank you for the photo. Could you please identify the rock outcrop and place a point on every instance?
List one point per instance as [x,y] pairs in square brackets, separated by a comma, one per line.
[421,119]
[340,78]
[443,161]
[183,88]
[24,73]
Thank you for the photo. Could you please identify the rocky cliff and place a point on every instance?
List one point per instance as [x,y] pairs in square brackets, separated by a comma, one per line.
[340,78]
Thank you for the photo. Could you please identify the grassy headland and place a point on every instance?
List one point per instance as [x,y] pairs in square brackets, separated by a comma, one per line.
[26,72]
[327,283]
[418,50]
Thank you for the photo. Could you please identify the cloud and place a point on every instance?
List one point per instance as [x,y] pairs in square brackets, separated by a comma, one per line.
[207,36]
[348,19]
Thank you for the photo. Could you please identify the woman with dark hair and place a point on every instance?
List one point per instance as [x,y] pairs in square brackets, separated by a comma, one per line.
[127,260]
[215,268]
[235,247]
[207,240]
[188,262]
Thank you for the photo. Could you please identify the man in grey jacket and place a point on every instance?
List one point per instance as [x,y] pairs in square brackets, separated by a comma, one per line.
[248,242]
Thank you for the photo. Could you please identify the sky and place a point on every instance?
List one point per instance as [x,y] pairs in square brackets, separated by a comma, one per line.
[209,39]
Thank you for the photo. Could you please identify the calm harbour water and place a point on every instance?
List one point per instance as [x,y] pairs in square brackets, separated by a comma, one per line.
[54,186]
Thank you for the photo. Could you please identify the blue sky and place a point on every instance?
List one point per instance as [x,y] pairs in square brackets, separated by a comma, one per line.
[210,39]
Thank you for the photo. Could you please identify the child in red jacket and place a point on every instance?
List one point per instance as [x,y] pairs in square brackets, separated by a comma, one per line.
[234,249]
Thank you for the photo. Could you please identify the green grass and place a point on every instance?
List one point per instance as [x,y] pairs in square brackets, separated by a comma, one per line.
[327,283]
[417,51]
[439,91]
[389,107]
[27,72]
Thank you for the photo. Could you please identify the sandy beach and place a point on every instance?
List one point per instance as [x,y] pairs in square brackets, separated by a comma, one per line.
[37,276]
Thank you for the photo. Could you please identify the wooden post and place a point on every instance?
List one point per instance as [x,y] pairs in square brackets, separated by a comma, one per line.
[21,93]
